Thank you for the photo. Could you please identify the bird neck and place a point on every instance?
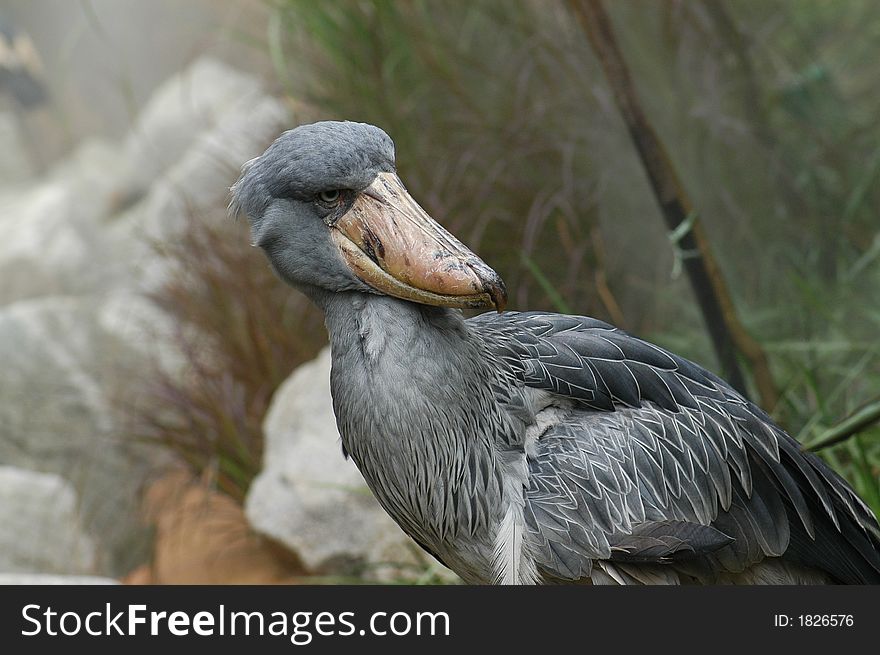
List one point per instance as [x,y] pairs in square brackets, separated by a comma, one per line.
[385,332]
[412,394]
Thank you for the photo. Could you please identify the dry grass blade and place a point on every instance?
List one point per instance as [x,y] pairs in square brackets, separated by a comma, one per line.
[241,333]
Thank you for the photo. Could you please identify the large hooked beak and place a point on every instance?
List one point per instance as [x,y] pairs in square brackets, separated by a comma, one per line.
[395,247]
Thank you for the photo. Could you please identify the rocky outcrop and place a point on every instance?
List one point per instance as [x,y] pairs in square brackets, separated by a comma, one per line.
[41,529]
[78,254]
[67,365]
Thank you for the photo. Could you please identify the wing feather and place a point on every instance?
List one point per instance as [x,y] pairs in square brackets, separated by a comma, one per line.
[644,438]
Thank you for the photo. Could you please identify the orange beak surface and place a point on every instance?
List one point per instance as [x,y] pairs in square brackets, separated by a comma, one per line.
[394,246]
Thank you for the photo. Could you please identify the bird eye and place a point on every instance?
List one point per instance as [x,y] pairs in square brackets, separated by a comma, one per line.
[330,197]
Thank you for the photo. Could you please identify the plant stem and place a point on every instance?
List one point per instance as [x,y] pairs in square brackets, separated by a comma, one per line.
[866,416]
[727,333]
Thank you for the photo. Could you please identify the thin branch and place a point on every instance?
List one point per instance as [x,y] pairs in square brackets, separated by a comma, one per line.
[727,333]
[863,418]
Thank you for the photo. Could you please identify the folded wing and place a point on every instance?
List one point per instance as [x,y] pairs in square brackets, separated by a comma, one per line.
[651,459]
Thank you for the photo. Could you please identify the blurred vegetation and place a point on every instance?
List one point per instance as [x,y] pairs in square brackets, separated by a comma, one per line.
[240,333]
[506,132]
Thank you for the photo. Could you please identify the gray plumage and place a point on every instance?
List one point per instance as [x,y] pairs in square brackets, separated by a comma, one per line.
[537,447]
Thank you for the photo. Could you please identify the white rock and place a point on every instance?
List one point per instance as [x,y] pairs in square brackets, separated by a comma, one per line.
[54,241]
[190,105]
[40,526]
[187,149]
[311,499]
[65,371]
[91,225]
[77,336]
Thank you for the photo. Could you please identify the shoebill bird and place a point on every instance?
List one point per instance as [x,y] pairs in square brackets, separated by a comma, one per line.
[522,447]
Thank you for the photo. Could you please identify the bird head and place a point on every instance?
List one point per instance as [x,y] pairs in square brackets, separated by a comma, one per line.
[327,207]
